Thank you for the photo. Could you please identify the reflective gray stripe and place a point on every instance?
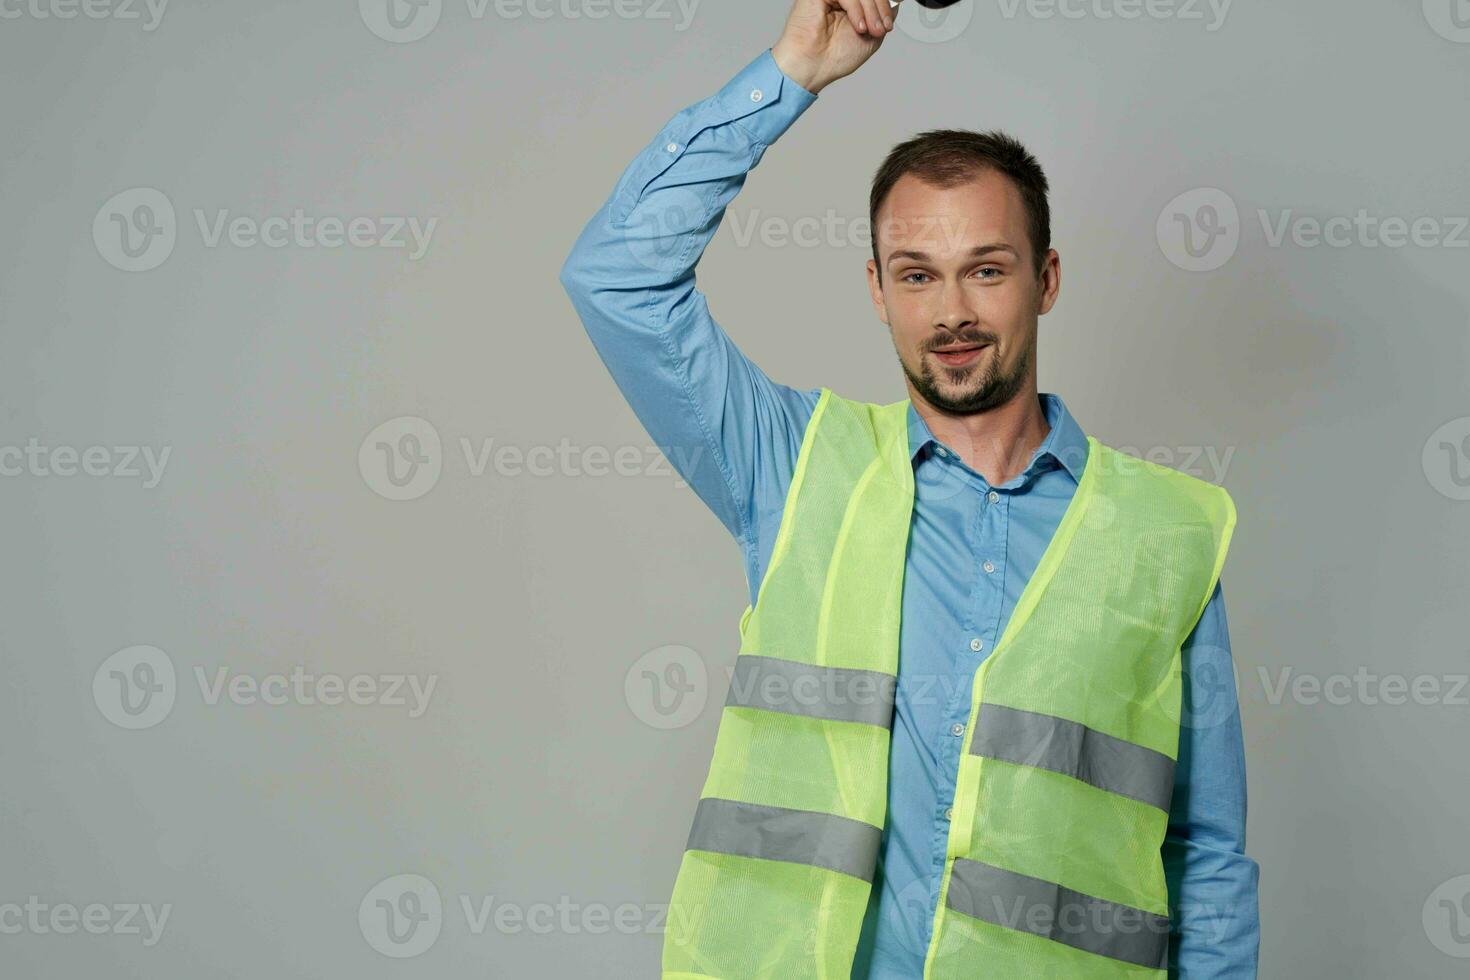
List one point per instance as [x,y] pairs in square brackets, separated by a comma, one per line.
[781,834]
[1042,908]
[1047,742]
[834,693]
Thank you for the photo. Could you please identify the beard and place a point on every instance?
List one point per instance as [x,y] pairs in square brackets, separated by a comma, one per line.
[973,388]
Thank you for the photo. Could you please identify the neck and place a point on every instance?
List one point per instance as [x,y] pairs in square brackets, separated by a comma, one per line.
[996,443]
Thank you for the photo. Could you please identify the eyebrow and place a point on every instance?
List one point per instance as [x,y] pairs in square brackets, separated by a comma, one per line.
[975,252]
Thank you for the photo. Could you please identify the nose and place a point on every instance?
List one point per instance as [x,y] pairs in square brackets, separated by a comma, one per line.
[956,311]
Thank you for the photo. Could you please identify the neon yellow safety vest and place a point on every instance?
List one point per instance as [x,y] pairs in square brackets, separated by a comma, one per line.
[1053,865]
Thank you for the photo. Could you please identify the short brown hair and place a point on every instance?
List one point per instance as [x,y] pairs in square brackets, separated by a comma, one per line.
[949,157]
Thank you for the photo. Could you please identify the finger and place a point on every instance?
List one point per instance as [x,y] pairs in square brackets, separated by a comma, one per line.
[889,12]
[881,16]
[872,18]
[854,11]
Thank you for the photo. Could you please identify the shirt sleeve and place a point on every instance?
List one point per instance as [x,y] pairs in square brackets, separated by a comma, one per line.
[1215,929]
[730,432]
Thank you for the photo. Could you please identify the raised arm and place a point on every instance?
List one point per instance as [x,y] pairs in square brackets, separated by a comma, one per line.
[724,424]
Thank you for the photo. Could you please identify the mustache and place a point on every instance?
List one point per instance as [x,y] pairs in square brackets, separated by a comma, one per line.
[948,340]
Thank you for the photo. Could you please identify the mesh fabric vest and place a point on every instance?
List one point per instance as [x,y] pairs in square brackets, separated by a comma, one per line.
[1053,866]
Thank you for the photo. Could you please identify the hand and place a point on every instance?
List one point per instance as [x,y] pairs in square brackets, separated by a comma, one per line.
[823,41]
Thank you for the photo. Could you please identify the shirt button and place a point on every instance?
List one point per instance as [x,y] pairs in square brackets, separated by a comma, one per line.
[941,451]
[756,96]
[992,496]
[989,565]
[977,644]
[949,813]
[672,147]
[957,729]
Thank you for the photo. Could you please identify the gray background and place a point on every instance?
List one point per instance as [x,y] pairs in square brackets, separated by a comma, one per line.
[538,774]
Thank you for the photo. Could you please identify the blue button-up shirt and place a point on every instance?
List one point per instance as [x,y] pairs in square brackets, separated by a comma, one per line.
[734,434]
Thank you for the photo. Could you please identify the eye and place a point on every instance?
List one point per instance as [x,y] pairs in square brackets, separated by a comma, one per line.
[908,278]
[989,268]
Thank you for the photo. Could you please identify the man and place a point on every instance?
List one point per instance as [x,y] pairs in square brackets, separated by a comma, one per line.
[960,739]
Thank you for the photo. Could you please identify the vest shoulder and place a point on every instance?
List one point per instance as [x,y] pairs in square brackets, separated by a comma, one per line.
[858,404]
[884,419]
[1170,495]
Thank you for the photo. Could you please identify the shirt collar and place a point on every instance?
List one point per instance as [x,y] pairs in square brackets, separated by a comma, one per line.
[1066,443]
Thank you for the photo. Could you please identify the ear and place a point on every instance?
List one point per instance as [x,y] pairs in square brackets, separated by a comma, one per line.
[1051,281]
[875,292]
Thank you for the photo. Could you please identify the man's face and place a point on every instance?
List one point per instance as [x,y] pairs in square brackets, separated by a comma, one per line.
[960,292]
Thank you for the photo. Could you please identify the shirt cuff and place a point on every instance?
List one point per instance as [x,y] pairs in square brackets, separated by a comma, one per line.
[763,100]
[760,101]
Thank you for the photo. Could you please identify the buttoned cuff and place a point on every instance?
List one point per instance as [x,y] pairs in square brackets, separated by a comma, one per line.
[761,102]
[764,100]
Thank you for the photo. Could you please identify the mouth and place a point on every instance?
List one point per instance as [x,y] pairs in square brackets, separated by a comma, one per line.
[958,355]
